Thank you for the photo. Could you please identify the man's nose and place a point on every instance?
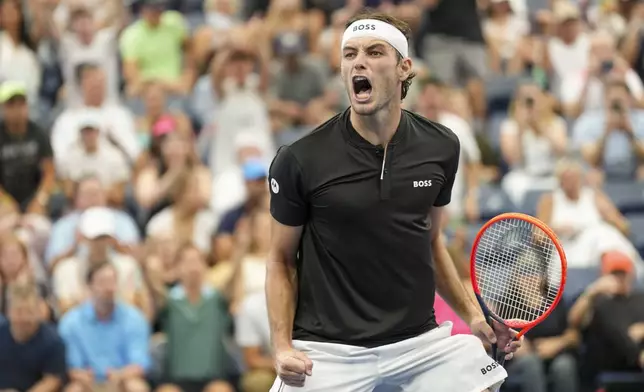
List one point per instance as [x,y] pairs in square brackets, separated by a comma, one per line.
[359,61]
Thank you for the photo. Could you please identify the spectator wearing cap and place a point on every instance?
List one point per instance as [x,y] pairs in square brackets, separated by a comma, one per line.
[33,354]
[297,84]
[610,312]
[196,324]
[97,244]
[107,340]
[187,220]
[88,192]
[90,158]
[256,191]
[252,334]
[116,122]
[86,39]
[27,174]
[611,140]
[156,48]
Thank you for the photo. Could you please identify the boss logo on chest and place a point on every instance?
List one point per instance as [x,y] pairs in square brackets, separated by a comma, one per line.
[422,183]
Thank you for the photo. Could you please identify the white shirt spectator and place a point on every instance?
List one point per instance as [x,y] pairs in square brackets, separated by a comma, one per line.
[116,121]
[69,277]
[107,164]
[204,224]
[19,63]
[102,51]
[568,61]
[573,86]
[251,323]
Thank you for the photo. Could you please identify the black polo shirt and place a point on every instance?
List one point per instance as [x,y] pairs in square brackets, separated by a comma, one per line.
[364,266]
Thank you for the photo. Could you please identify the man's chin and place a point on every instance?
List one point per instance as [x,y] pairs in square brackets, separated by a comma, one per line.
[364,109]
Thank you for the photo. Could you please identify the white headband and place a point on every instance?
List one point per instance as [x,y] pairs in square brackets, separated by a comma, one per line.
[377,29]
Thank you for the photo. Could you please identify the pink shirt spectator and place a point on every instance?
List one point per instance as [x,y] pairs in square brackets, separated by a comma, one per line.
[445,313]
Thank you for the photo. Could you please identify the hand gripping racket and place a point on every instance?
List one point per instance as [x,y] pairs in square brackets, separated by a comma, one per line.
[518,272]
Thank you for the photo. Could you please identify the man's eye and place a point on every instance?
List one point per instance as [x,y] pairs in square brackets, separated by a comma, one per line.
[375,53]
[349,55]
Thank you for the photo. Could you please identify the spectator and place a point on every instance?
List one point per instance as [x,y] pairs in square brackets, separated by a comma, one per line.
[96,246]
[27,174]
[88,192]
[18,62]
[585,220]
[186,220]
[117,123]
[160,267]
[291,16]
[464,202]
[568,50]
[87,40]
[252,334]
[16,270]
[504,31]
[611,140]
[532,139]
[586,91]
[107,341]
[89,157]
[256,189]
[156,48]
[221,23]
[156,180]
[228,188]
[196,323]
[610,312]
[455,40]
[32,355]
[547,360]
[156,121]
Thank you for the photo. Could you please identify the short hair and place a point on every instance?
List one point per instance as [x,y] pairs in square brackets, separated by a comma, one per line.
[22,292]
[82,68]
[78,13]
[96,268]
[401,25]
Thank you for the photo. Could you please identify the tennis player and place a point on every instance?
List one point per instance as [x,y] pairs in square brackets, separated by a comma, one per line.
[357,254]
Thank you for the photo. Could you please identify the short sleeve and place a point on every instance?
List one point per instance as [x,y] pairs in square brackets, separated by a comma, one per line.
[288,203]
[451,167]
[128,43]
[55,362]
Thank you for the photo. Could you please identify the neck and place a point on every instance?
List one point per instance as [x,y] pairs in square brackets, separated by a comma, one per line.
[380,127]
[193,291]
[93,103]
[103,311]
[23,335]
[183,211]
[14,34]
[91,149]
[16,127]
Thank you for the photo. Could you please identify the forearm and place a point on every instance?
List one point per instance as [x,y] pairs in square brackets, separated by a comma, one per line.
[579,313]
[261,363]
[281,292]
[47,384]
[132,371]
[456,291]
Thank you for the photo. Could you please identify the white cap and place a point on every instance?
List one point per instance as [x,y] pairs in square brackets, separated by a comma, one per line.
[96,222]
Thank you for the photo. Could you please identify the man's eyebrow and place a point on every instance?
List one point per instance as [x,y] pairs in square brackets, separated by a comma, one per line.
[377,45]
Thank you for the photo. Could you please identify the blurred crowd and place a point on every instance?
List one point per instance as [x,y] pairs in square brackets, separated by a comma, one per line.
[135,139]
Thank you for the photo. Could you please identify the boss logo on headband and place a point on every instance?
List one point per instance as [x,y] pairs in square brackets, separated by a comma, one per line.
[364,27]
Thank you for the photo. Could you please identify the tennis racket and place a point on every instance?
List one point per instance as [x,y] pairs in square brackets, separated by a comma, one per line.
[518,271]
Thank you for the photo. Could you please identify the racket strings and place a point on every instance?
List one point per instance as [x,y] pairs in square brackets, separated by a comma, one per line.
[518,270]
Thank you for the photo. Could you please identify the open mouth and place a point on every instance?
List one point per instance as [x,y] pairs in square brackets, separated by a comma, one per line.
[361,88]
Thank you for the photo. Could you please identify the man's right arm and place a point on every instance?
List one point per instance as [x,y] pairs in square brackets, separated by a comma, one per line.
[281,283]
[289,209]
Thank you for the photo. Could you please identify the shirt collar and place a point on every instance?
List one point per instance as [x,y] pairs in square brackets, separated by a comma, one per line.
[178,292]
[356,139]
[89,312]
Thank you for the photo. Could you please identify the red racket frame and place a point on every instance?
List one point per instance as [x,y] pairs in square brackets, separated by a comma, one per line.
[523,327]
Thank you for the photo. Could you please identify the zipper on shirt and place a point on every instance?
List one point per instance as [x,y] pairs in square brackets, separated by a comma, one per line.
[385,182]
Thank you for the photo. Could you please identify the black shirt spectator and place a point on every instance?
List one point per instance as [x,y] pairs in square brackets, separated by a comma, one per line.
[339,186]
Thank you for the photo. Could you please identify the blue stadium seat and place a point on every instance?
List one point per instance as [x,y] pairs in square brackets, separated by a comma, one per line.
[627,196]
[637,231]
[577,281]
[634,381]
[493,201]
[530,201]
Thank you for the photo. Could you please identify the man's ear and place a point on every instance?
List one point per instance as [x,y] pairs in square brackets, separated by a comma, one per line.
[406,67]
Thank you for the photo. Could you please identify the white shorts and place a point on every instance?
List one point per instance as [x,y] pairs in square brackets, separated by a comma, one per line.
[434,361]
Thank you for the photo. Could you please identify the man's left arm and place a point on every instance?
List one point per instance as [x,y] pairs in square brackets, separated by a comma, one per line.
[138,348]
[54,371]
